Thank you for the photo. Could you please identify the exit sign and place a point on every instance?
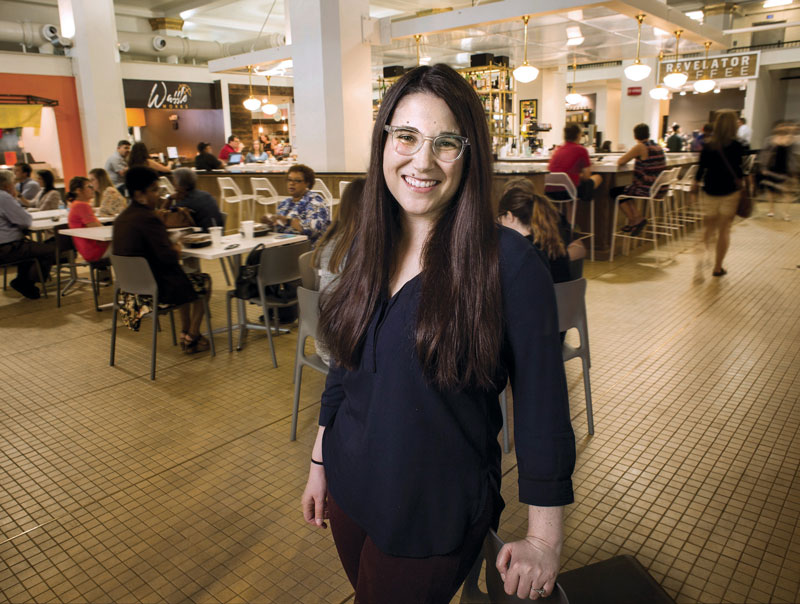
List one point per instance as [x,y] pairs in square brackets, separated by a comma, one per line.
[634,90]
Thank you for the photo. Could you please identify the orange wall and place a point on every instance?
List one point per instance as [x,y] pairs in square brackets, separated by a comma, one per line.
[68,121]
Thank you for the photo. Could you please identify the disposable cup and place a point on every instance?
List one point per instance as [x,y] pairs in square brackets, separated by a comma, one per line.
[247,228]
[216,235]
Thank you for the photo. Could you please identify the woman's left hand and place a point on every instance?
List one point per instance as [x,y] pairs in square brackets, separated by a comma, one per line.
[528,565]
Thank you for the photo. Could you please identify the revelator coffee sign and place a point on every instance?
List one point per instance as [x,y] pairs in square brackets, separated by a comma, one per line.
[737,66]
[158,94]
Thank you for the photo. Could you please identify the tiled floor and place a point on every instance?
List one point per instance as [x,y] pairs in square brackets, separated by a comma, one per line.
[117,489]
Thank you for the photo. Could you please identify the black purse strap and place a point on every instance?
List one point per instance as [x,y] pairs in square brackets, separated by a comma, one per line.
[736,179]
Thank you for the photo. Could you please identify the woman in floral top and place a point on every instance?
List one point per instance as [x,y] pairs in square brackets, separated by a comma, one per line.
[106,197]
[305,212]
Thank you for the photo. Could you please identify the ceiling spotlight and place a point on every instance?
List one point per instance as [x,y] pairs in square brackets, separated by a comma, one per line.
[574,36]
[637,71]
[683,93]
[774,3]
[697,15]
[716,91]
[525,73]
[676,79]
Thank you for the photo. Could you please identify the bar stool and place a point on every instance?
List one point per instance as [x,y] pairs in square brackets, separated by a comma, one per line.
[563,181]
[230,193]
[264,192]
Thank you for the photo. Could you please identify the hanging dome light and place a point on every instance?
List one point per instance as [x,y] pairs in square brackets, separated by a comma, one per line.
[251,103]
[638,70]
[659,93]
[705,84]
[525,73]
[269,108]
[573,98]
[676,79]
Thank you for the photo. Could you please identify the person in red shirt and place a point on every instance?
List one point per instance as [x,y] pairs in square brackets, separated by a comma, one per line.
[81,215]
[573,159]
[230,147]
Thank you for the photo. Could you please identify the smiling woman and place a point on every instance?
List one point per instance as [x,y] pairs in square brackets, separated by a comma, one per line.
[435,308]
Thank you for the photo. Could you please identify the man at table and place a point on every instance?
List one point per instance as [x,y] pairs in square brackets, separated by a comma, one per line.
[13,244]
[204,208]
[305,211]
[26,187]
[138,231]
[117,164]
[230,147]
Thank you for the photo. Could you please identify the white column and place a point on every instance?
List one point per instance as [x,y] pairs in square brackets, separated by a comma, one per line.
[637,109]
[98,78]
[764,103]
[553,107]
[332,84]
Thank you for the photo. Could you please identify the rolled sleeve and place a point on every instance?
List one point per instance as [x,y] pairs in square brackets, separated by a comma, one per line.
[545,442]
[333,395]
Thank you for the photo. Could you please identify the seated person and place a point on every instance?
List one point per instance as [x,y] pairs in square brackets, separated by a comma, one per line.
[26,188]
[257,154]
[79,201]
[138,231]
[205,159]
[228,148]
[139,157]
[48,197]
[573,159]
[650,162]
[106,196]
[13,244]
[536,218]
[204,208]
[305,212]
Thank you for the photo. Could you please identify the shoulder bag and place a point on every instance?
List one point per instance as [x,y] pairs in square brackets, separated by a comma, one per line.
[745,206]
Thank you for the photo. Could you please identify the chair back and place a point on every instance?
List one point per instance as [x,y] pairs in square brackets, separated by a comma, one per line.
[343,184]
[571,303]
[165,185]
[280,264]
[662,180]
[308,305]
[228,188]
[307,272]
[320,188]
[562,181]
[262,187]
[494,584]
[688,177]
[224,220]
[133,275]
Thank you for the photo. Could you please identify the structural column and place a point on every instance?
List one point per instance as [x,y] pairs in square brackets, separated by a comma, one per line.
[640,109]
[98,77]
[332,84]
[553,108]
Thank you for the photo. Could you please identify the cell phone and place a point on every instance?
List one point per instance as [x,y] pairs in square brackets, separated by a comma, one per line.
[231,246]
[284,236]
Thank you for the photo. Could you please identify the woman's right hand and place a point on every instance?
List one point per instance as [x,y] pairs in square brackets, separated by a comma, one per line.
[313,502]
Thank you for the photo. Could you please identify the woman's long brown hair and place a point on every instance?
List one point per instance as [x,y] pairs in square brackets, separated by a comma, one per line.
[343,230]
[459,320]
[725,126]
[521,199]
[103,180]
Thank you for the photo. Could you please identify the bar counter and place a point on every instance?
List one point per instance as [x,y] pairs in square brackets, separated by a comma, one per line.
[533,168]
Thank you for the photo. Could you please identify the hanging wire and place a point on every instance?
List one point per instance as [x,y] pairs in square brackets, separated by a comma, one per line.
[263,25]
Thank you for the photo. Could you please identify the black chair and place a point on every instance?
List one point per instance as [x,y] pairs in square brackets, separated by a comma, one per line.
[6,265]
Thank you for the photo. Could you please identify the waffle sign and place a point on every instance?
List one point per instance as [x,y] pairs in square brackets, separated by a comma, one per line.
[735,66]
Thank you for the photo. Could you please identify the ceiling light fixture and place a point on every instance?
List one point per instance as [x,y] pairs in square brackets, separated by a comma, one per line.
[574,36]
[269,108]
[659,93]
[251,103]
[676,79]
[573,98]
[637,71]
[774,3]
[696,15]
[705,84]
[525,73]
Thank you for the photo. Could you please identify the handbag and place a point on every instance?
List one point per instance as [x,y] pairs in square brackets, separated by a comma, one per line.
[745,206]
[247,280]
[176,217]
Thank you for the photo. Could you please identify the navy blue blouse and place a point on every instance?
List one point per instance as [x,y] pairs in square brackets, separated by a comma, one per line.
[415,467]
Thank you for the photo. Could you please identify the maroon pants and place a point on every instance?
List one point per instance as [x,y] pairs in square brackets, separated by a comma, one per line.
[379,578]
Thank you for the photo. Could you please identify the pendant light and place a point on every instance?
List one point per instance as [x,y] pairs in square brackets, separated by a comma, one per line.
[251,103]
[705,84]
[525,73]
[660,92]
[676,79]
[269,108]
[638,70]
[573,98]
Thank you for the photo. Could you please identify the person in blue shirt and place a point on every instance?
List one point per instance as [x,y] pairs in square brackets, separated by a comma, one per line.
[204,208]
[257,155]
[304,211]
[434,310]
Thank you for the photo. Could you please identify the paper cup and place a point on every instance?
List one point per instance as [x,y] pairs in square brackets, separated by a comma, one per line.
[216,235]
[247,228]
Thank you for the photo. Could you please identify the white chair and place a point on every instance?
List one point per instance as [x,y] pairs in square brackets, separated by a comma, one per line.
[655,210]
[343,184]
[320,188]
[308,302]
[563,181]
[230,193]
[165,186]
[264,193]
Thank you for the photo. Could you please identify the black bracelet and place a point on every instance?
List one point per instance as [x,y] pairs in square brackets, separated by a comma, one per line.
[319,463]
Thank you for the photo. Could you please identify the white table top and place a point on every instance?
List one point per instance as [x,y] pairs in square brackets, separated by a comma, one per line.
[212,252]
[101,233]
[49,223]
[47,214]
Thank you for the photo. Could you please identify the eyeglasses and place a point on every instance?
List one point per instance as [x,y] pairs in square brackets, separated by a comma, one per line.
[446,147]
[296,180]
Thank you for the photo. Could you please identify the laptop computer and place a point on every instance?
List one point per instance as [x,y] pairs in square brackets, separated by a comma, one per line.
[172,152]
[235,158]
